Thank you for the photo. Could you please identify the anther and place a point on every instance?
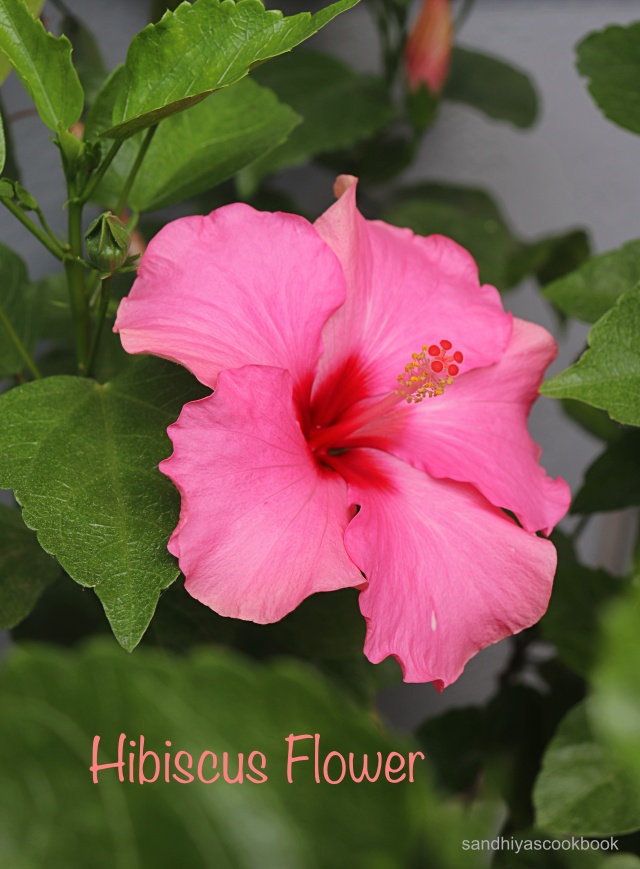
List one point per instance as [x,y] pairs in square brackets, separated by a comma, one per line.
[429,372]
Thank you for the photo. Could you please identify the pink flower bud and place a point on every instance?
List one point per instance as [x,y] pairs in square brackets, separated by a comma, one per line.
[428,50]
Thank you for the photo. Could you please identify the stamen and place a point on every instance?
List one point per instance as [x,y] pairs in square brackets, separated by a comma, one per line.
[429,372]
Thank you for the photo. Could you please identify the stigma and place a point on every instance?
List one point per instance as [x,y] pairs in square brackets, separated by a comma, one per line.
[429,372]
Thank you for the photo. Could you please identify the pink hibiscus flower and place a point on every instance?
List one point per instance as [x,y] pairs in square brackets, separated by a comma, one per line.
[315,465]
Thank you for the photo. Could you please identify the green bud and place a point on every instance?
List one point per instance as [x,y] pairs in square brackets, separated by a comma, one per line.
[72,150]
[7,188]
[25,200]
[107,241]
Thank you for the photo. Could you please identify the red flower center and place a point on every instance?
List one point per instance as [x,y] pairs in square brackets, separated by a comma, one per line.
[338,415]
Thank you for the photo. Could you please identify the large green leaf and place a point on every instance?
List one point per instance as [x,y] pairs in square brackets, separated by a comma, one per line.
[572,621]
[615,705]
[582,790]
[196,150]
[200,48]
[613,480]
[20,307]
[25,570]
[492,86]
[51,814]
[42,62]
[472,218]
[338,107]
[589,292]
[610,59]
[608,374]
[35,7]
[82,460]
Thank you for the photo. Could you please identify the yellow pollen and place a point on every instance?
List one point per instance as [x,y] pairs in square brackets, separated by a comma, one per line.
[429,372]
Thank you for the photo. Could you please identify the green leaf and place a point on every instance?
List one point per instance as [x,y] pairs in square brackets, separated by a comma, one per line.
[20,303]
[338,107]
[613,480]
[55,702]
[589,292]
[572,621]
[199,149]
[82,461]
[35,7]
[492,86]
[610,59]
[608,374]
[200,48]
[582,790]
[614,707]
[25,570]
[42,63]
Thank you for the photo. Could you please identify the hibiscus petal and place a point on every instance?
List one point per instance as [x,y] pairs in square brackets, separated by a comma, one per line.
[448,573]
[477,432]
[234,288]
[262,524]
[403,291]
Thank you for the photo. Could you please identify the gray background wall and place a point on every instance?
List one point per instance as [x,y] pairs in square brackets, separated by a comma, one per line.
[573,169]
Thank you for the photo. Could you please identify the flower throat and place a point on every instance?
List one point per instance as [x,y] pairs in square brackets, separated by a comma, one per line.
[427,375]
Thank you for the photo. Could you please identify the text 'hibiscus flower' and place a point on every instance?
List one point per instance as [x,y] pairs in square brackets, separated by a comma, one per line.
[369,418]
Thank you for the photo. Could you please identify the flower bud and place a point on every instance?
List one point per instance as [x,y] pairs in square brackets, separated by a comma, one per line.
[25,200]
[428,50]
[107,241]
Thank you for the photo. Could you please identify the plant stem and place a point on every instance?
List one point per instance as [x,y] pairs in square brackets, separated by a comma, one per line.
[75,279]
[105,295]
[52,245]
[22,350]
[99,175]
[126,190]
[46,227]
